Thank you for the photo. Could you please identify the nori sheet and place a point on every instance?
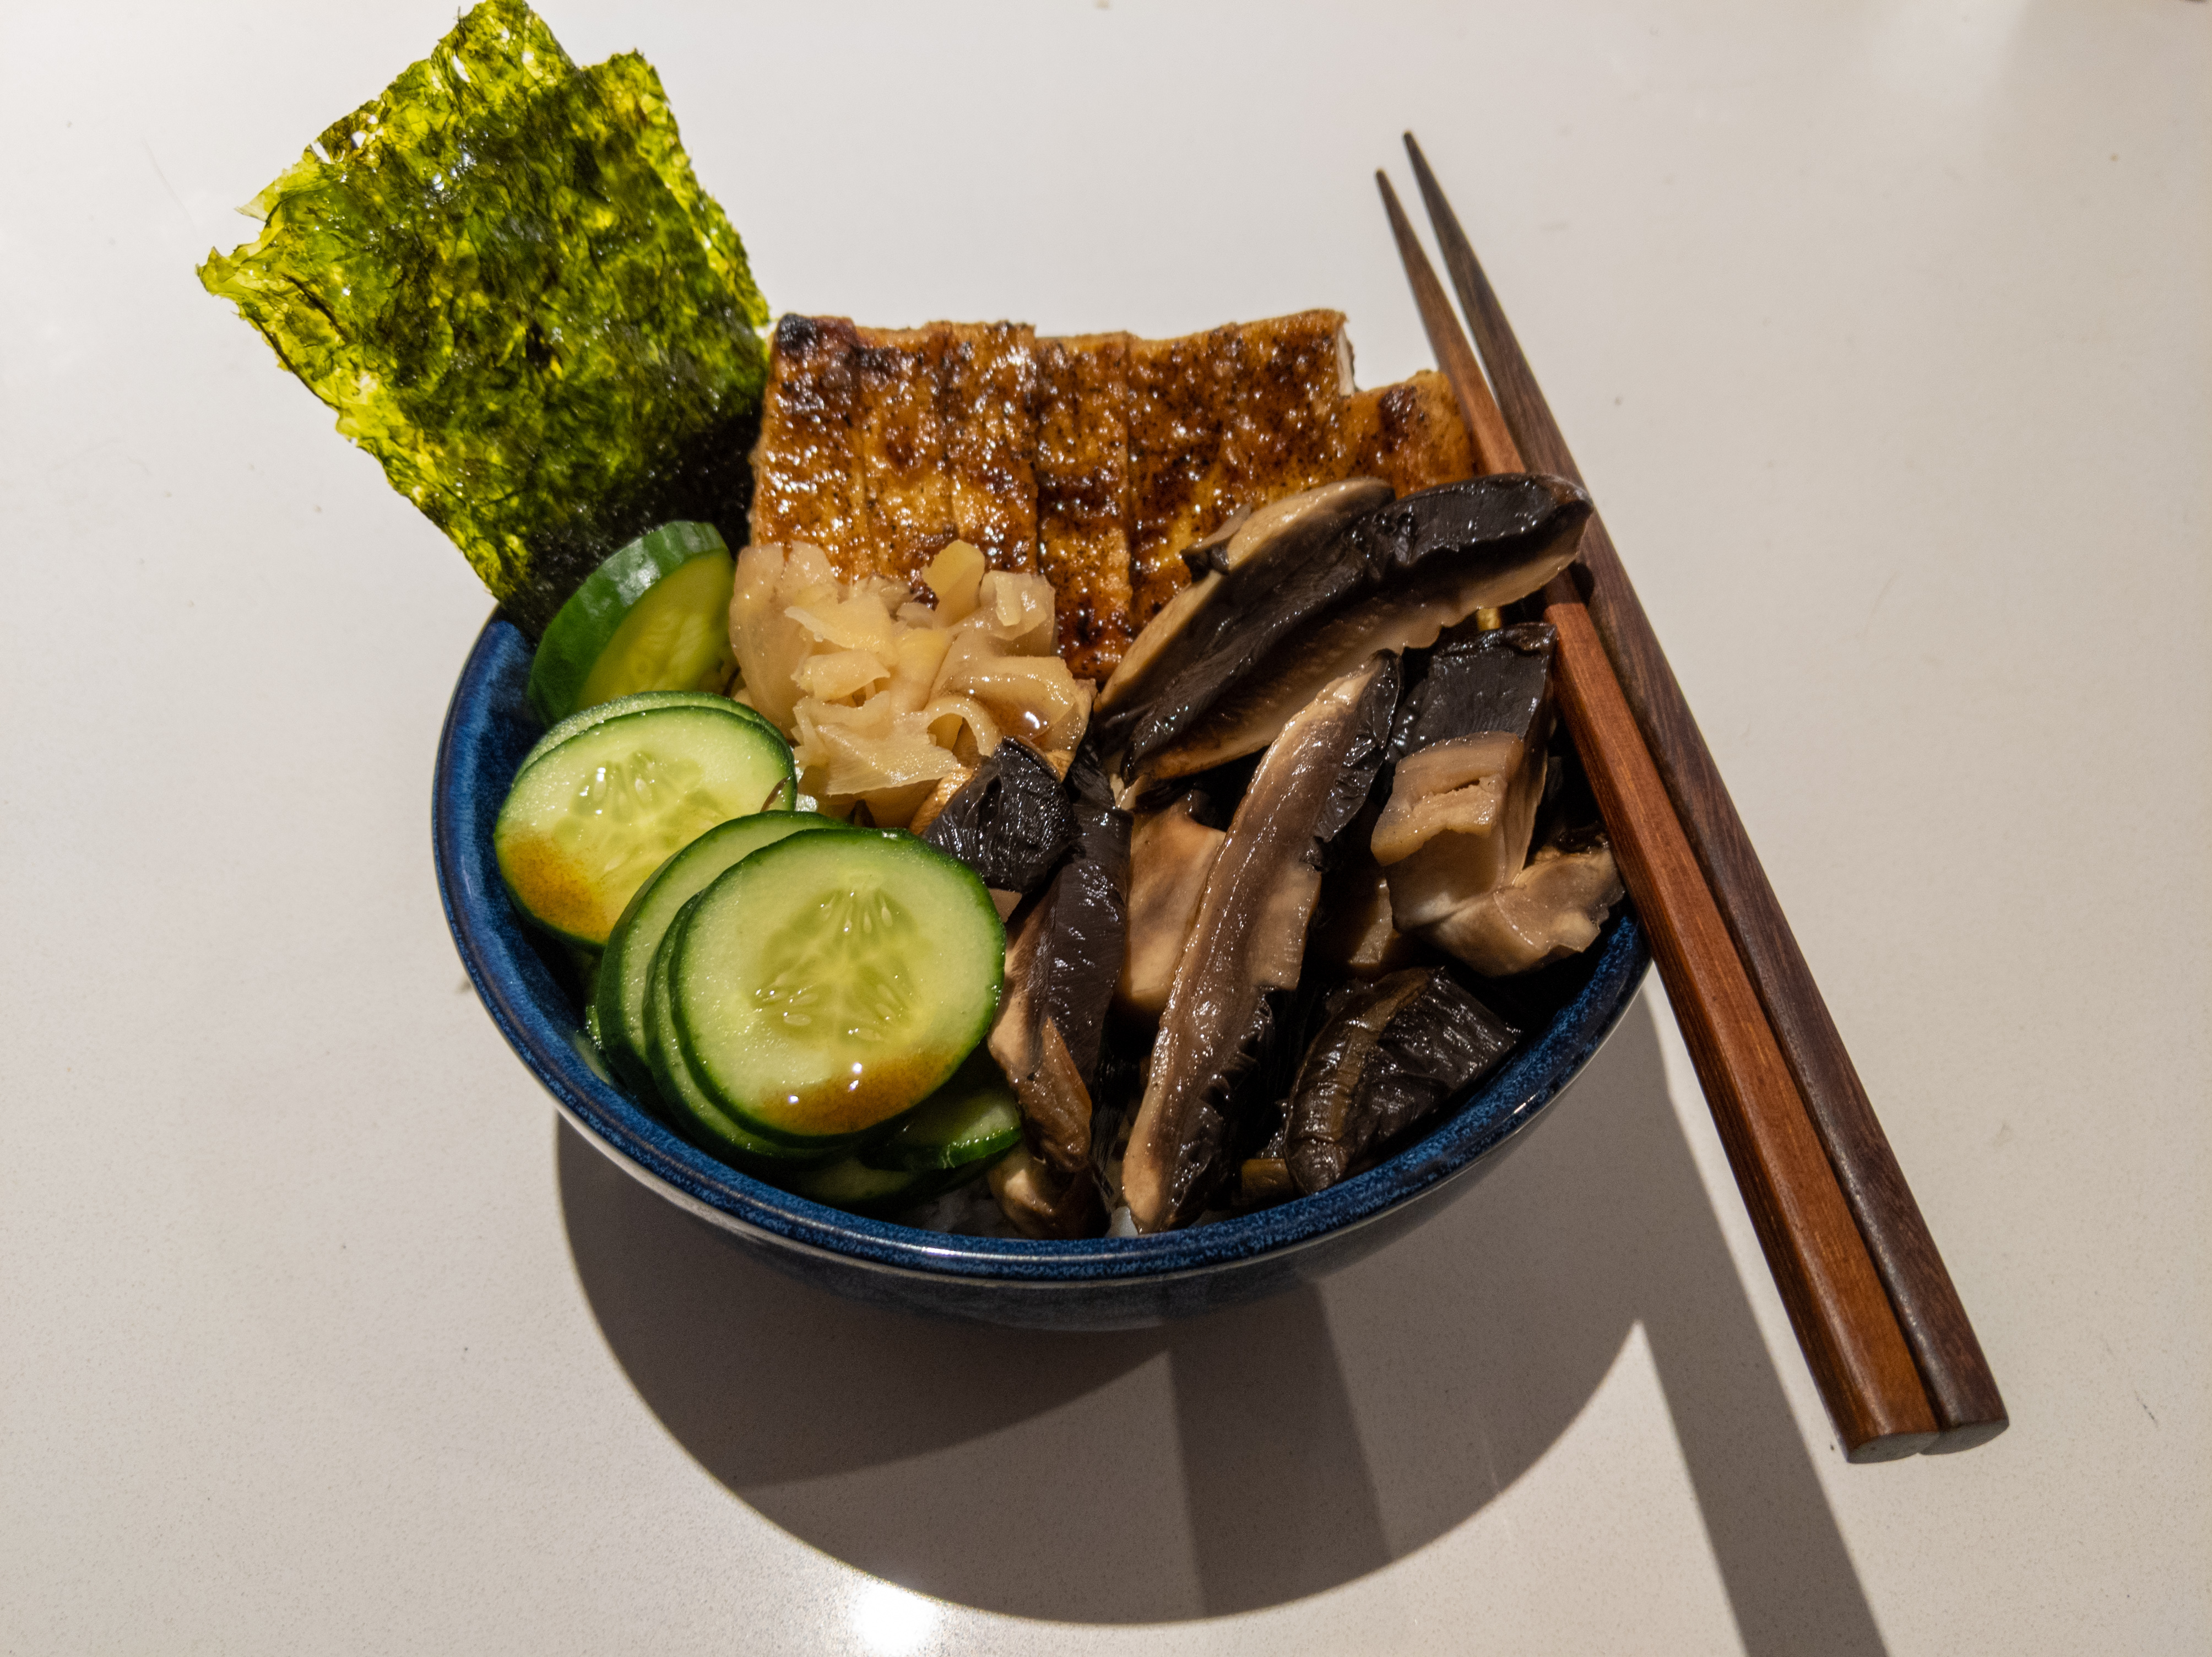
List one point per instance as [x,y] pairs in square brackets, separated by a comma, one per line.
[503,275]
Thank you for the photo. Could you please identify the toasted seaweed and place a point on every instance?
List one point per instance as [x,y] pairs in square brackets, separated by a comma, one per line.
[503,275]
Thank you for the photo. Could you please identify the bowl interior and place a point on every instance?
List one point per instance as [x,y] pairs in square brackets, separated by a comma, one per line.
[534,995]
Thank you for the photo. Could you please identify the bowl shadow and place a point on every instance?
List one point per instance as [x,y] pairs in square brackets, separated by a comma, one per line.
[1254,1456]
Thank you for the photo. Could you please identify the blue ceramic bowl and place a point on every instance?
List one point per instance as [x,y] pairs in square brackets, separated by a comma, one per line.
[1097,1283]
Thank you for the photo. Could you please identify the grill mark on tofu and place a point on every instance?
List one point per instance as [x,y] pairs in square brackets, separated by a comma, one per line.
[807,469]
[1181,400]
[901,377]
[990,422]
[1083,495]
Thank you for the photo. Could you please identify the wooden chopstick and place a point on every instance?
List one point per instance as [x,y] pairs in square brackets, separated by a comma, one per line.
[1969,1409]
[1844,1325]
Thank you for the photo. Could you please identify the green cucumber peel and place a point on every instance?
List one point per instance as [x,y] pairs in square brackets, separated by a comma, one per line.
[973,1118]
[685,1102]
[849,1183]
[787,970]
[591,819]
[589,622]
[576,723]
[625,973]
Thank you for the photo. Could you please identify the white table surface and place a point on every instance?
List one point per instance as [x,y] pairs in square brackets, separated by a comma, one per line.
[1881,332]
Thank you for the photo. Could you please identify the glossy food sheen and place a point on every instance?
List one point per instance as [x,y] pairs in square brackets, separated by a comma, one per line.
[625,970]
[1010,821]
[1392,579]
[830,982]
[585,718]
[970,1119]
[676,638]
[1478,680]
[1274,544]
[1098,458]
[589,821]
[1060,973]
[653,617]
[689,1105]
[1248,939]
[1083,488]
[1389,1053]
[1089,1283]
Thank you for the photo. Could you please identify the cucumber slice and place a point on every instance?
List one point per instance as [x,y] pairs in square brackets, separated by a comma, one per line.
[588,821]
[830,982]
[687,1103]
[971,1119]
[625,969]
[653,617]
[630,704]
[854,1182]
[849,1183]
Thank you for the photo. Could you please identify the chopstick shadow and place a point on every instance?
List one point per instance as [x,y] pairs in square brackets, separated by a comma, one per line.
[1258,1455]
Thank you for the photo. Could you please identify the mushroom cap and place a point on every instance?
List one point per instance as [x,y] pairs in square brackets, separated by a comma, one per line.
[1275,630]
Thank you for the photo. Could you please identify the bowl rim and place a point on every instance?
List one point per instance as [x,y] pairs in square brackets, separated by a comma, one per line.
[515,989]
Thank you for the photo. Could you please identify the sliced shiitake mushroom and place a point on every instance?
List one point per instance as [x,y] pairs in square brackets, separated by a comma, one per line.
[1271,545]
[1042,1201]
[1010,821]
[1356,931]
[1170,853]
[1389,1053]
[1551,910]
[1470,775]
[1479,679]
[1061,968]
[1248,939]
[1466,799]
[1389,579]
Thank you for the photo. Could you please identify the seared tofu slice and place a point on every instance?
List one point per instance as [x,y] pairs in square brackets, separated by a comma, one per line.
[1286,433]
[1082,494]
[1410,434]
[902,440]
[881,445]
[989,410]
[1225,422]
[1182,398]
[1098,459]
[806,463]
